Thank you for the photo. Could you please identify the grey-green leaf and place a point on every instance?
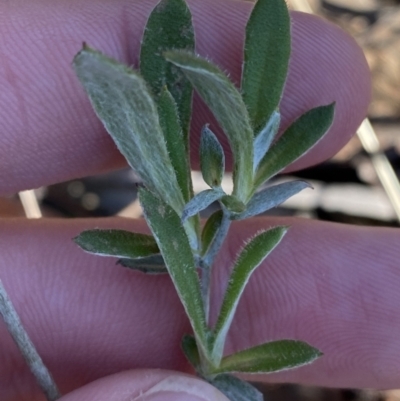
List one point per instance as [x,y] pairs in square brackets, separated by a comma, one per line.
[252,255]
[212,158]
[270,357]
[303,134]
[271,197]
[210,231]
[153,264]
[227,105]
[264,138]
[122,101]
[174,245]
[235,389]
[201,201]
[266,59]
[117,243]
[169,120]
[168,27]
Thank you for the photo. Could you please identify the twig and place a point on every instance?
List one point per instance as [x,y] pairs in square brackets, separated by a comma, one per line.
[26,347]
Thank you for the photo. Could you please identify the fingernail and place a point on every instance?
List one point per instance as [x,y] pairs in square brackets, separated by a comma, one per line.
[181,389]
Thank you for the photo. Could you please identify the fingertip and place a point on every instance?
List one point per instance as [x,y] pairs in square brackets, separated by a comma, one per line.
[149,385]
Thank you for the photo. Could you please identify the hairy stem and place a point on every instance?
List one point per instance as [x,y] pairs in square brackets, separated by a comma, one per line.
[207,261]
[25,345]
[205,289]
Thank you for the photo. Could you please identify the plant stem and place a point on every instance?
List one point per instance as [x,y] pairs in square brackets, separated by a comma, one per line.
[205,289]
[208,260]
[26,347]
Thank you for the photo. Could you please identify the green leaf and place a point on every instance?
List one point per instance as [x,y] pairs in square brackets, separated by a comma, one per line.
[235,389]
[252,255]
[117,243]
[169,121]
[174,245]
[169,27]
[266,59]
[121,100]
[210,230]
[233,204]
[297,140]
[153,264]
[270,357]
[201,201]
[227,105]
[191,352]
[264,138]
[212,158]
[271,197]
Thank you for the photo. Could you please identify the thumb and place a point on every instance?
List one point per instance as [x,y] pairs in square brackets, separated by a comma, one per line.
[147,385]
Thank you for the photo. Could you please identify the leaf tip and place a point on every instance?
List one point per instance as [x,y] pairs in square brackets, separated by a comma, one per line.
[331,107]
[84,49]
[81,240]
[78,239]
[285,228]
[303,184]
[184,217]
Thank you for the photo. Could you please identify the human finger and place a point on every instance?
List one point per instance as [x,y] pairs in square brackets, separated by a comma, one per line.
[151,385]
[333,286]
[51,134]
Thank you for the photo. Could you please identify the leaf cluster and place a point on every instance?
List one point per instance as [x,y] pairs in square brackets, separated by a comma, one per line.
[147,114]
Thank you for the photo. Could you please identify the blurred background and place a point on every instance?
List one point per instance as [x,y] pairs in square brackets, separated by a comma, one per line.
[358,186]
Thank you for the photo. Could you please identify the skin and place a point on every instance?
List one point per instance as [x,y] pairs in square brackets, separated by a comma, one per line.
[334,286]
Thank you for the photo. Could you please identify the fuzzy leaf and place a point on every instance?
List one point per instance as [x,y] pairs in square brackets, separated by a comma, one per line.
[227,105]
[169,121]
[174,245]
[117,243]
[121,100]
[271,197]
[252,255]
[212,158]
[270,357]
[266,59]
[153,264]
[169,27]
[264,138]
[235,389]
[303,134]
[191,352]
[210,230]
[201,201]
